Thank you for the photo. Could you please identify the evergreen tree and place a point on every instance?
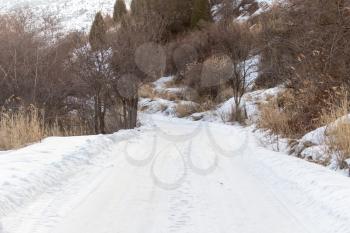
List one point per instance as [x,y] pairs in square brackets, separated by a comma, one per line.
[138,7]
[201,12]
[119,10]
[97,36]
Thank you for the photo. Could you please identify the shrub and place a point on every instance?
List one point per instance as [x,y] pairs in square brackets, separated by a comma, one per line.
[277,54]
[27,126]
[339,142]
[234,115]
[119,10]
[338,132]
[185,109]
[304,47]
[147,91]
[273,118]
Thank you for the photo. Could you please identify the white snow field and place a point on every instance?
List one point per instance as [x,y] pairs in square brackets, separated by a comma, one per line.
[73,14]
[170,175]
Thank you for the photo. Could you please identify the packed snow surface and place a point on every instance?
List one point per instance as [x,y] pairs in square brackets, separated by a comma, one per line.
[170,175]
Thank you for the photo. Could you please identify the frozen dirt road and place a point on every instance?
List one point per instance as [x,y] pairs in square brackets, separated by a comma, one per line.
[180,176]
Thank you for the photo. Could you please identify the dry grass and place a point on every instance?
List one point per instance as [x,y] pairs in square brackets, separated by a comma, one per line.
[147,91]
[170,84]
[24,127]
[185,109]
[338,133]
[225,93]
[207,104]
[239,116]
[273,118]
[172,96]
[275,121]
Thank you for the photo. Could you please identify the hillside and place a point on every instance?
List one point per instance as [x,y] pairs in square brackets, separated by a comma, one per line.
[73,14]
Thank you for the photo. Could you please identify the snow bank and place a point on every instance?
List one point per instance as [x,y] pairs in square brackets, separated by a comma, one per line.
[158,106]
[319,135]
[161,83]
[313,145]
[319,193]
[29,172]
[316,136]
[250,102]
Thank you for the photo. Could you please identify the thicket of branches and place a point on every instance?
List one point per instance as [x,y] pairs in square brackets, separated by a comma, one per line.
[91,80]
[305,45]
[33,65]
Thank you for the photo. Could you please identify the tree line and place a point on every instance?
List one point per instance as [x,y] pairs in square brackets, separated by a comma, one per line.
[90,77]
[94,77]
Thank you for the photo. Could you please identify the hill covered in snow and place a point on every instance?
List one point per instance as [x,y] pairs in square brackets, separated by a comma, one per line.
[73,14]
[76,14]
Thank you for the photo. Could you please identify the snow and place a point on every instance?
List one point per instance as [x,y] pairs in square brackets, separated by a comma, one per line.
[31,171]
[317,136]
[171,175]
[252,69]
[250,102]
[315,153]
[74,14]
[314,145]
[159,106]
[160,84]
[264,5]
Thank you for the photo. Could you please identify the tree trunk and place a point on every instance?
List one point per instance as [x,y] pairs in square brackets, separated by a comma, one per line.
[96,119]
[102,117]
[125,114]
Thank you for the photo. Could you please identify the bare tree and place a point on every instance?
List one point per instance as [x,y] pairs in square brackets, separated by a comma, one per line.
[93,68]
[137,58]
[32,64]
[236,42]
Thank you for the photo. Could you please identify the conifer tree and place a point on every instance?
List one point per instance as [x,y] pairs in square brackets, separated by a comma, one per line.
[119,10]
[201,12]
[97,36]
[138,7]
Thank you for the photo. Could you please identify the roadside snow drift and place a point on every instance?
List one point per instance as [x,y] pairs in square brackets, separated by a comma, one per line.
[27,173]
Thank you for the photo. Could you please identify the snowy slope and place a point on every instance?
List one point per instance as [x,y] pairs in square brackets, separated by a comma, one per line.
[74,14]
[169,176]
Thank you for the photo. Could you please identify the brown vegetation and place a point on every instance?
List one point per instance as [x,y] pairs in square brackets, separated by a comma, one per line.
[338,129]
[27,126]
[304,46]
[185,109]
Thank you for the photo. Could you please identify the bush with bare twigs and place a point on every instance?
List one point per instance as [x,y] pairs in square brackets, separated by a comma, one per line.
[185,109]
[304,45]
[338,129]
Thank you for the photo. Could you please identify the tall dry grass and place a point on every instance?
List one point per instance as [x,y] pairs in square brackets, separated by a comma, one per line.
[273,118]
[338,131]
[26,126]
[275,121]
[233,115]
[185,109]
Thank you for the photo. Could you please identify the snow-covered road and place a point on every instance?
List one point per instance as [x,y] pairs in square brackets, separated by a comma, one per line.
[179,176]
